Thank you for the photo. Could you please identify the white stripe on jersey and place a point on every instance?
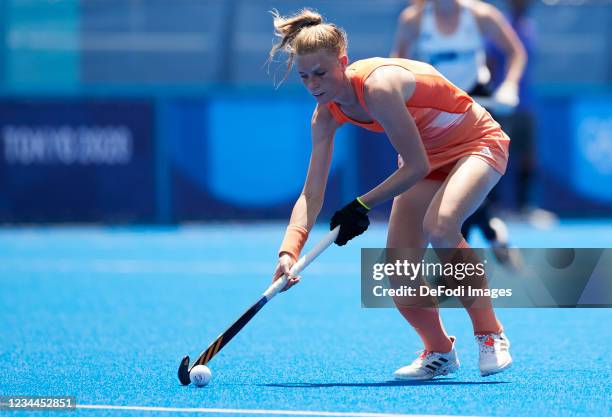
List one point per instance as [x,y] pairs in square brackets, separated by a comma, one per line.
[446,120]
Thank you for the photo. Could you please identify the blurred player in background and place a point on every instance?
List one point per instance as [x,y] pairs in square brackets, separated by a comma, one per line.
[520,124]
[452,153]
[451,35]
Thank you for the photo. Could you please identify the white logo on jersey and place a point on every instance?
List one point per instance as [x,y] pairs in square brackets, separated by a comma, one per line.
[486,151]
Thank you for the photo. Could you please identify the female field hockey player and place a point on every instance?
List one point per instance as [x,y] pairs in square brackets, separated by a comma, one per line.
[453,153]
[451,35]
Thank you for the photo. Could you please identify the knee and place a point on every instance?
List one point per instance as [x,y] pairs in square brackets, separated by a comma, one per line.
[442,230]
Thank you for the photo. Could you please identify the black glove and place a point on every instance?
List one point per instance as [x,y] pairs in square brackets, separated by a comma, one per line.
[353,221]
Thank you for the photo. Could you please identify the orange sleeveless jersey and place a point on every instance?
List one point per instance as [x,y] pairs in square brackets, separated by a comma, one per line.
[450,123]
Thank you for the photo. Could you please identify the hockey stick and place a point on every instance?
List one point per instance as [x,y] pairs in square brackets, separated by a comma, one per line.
[279,284]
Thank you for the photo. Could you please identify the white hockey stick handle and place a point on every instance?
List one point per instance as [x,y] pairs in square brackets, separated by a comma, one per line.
[302,263]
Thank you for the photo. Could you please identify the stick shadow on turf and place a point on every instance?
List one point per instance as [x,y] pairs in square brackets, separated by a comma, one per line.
[379,384]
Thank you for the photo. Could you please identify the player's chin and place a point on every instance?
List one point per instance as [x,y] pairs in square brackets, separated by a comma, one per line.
[322,98]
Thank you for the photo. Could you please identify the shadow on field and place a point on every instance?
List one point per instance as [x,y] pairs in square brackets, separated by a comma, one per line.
[443,381]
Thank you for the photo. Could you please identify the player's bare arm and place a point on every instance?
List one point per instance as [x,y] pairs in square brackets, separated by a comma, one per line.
[408,27]
[387,90]
[310,201]
[495,27]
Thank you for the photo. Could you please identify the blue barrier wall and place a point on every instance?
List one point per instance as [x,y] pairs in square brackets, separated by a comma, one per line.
[76,160]
[244,156]
[574,154]
[173,111]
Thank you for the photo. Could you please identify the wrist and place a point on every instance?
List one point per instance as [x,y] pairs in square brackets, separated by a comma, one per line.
[287,254]
[294,241]
[510,83]
[363,203]
[508,87]
[507,94]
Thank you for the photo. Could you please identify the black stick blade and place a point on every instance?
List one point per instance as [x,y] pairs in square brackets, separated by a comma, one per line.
[183,371]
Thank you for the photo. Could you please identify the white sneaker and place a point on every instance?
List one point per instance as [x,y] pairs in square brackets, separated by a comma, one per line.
[494,355]
[430,365]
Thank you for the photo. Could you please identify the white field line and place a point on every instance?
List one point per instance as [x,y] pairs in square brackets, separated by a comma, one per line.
[170,267]
[251,411]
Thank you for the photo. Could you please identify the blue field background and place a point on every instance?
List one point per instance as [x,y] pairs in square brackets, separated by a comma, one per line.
[106,314]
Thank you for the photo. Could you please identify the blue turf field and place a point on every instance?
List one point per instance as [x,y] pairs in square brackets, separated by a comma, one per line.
[106,315]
